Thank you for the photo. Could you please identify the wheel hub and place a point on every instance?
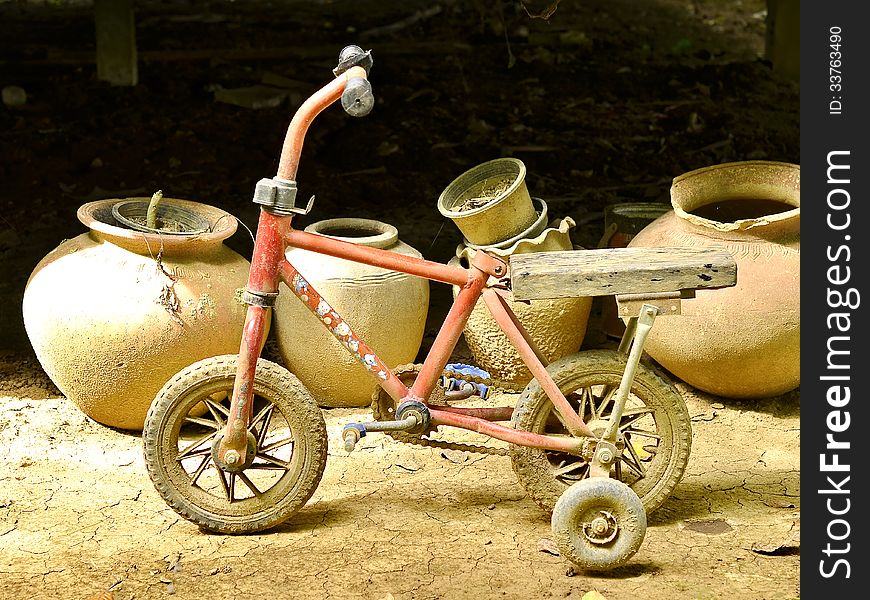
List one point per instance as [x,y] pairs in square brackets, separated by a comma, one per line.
[233,462]
[602,528]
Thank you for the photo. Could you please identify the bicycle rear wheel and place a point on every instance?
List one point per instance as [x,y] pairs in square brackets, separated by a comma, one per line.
[655,425]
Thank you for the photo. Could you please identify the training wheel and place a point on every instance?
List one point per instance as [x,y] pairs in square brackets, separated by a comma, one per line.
[598,523]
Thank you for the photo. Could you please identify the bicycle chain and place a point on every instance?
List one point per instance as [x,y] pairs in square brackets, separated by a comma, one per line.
[382,402]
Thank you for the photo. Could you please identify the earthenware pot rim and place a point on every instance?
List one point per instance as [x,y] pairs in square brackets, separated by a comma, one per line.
[519,179]
[773,180]
[196,222]
[97,216]
[533,231]
[380,234]
[557,227]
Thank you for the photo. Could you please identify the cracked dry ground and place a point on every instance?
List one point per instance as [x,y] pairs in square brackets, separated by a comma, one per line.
[78,515]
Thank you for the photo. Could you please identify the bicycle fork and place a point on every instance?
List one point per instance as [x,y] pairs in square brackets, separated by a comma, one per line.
[235,447]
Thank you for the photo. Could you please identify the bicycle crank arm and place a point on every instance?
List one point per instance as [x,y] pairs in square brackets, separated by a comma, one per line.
[411,416]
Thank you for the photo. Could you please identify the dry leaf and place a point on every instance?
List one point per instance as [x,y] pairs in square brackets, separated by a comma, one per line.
[549,546]
[709,526]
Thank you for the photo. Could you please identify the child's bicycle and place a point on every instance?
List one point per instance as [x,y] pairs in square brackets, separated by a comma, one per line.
[236,444]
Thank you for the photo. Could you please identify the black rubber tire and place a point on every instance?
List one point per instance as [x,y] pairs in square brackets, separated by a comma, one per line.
[586,500]
[180,398]
[669,416]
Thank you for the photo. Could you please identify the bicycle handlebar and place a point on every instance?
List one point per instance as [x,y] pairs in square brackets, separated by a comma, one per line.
[357,100]
[350,84]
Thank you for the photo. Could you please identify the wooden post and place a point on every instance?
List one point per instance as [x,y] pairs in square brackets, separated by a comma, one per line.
[116,42]
[782,41]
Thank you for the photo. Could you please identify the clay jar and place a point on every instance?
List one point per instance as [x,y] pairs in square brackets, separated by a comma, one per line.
[114,313]
[386,309]
[557,325]
[743,341]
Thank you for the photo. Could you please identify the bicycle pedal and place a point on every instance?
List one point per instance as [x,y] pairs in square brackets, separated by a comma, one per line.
[351,434]
[411,416]
[455,384]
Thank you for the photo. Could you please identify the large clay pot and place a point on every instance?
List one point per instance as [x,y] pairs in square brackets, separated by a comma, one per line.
[557,325]
[114,313]
[743,341]
[386,309]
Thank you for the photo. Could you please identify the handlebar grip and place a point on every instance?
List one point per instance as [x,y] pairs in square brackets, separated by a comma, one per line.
[357,100]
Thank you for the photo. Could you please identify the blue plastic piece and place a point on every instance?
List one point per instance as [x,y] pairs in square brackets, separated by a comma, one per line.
[451,383]
[358,426]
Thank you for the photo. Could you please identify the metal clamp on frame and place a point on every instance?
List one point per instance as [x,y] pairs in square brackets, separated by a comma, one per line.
[490,265]
[263,299]
[278,196]
[668,303]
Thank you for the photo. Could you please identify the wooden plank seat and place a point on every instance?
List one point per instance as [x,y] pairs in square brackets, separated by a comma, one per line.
[619,271]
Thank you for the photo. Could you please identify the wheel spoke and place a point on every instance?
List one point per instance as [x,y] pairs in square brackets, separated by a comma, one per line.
[203,452]
[634,463]
[199,469]
[607,395]
[264,415]
[648,434]
[275,445]
[203,422]
[593,410]
[631,415]
[227,490]
[217,410]
[189,450]
[261,439]
[250,485]
[581,410]
[274,461]
[564,470]
[267,466]
[560,419]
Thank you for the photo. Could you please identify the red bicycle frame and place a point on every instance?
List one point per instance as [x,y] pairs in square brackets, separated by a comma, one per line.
[269,266]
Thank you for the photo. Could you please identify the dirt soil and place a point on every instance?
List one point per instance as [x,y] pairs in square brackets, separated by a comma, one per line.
[604,101]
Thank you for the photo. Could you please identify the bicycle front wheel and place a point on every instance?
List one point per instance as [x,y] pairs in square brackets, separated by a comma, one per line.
[288,435]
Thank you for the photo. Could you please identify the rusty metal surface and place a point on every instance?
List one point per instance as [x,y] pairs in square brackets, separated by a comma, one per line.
[449,334]
[573,445]
[487,413]
[236,432]
[341,330]
[268,252]
[668,303]
[501,312]
[490,265]
[376,257]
